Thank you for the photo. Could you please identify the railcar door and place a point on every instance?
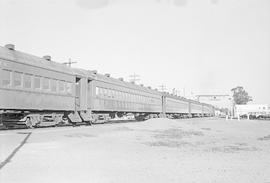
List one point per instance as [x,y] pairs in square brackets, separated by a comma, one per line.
[78,94]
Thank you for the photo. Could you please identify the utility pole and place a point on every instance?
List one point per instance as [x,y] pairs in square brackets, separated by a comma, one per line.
[175,91]
[162,88]
[69,62]
[134,77]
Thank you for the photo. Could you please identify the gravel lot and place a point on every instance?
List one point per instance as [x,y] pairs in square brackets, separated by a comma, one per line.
[157,150]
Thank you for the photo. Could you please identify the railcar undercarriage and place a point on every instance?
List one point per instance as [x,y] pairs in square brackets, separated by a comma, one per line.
[34,119]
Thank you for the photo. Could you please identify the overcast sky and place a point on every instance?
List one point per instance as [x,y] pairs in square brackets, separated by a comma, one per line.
[204,46]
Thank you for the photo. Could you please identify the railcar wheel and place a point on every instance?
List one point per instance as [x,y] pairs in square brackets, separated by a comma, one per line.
[28,123]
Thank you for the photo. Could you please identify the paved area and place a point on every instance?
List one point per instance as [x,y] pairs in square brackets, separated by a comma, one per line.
[157,150]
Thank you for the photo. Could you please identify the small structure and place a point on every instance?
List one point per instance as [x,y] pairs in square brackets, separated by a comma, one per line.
[254,110]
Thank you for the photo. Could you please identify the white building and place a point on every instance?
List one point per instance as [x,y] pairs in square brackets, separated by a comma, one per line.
[252,109]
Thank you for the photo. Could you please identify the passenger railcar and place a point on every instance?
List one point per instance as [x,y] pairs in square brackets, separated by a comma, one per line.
[175,106]
[31,88]
[39,92]
[179,107]
[115,97]
[196,109]
[208,110]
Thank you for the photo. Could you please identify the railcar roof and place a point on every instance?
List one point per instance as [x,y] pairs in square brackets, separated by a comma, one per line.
[176,97]
[104,78]
[185,99]
[20,57]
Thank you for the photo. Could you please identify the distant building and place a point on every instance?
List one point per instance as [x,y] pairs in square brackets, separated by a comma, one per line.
[218,101]
[252,109]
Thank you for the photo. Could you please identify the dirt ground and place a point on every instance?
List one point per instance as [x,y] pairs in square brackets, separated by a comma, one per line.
[157,150]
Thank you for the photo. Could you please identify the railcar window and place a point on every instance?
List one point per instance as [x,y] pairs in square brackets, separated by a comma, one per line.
[113,93]
[37,82]
[27,81]
[128,96]
[6,75]
[69,88]
[53,85]
[97,91]
[109,93]
[17,79]
[46,84]
[119,95]
[106,93]
[61,86]
[102,91]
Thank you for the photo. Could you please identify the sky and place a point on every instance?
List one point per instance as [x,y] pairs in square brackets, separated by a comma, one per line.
[195,46]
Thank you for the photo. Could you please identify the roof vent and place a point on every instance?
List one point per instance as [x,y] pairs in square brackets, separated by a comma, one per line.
[107,75]
[141,85]
[10,46]
[133,82]
[156,89]
[121,79]
[47,57]
[149,87]
[94,71]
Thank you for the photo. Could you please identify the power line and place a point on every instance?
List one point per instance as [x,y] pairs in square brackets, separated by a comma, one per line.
[69,62]
[162,88]
[134,77]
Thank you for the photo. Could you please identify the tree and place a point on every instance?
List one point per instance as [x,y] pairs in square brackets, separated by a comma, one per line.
[240,96]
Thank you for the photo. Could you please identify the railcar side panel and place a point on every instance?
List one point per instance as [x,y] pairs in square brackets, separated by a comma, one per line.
[22,100]
[196,108]
[108,96]
[176,106]
[28,87]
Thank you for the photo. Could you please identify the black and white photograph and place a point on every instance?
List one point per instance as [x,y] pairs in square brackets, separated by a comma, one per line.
[134,91]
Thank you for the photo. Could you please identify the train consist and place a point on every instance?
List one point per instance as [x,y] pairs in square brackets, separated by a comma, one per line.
[40,92]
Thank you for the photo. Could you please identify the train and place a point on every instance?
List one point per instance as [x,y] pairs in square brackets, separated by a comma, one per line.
[36,91]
